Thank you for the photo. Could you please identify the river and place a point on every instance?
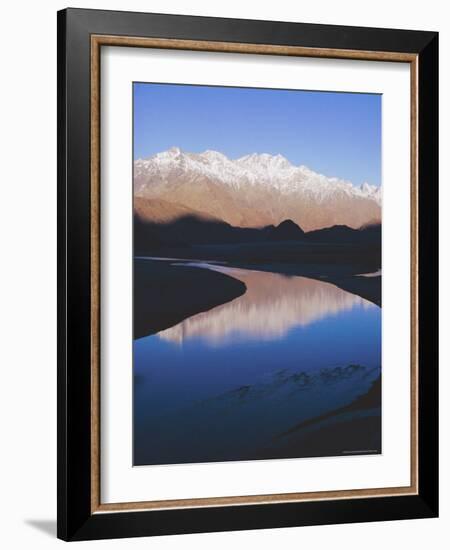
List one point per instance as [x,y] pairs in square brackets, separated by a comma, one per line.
[266,375]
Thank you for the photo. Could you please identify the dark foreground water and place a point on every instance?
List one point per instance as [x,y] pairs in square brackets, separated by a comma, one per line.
[289,369]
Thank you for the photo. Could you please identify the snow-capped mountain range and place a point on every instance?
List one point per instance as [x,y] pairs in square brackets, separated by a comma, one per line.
[255,190]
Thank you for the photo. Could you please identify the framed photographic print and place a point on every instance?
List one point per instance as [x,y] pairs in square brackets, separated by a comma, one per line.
[247,274]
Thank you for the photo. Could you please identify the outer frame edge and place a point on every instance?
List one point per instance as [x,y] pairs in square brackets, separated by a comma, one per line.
[61,280]
[428,178]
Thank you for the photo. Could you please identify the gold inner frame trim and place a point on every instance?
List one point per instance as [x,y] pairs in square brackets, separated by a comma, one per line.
[97,41]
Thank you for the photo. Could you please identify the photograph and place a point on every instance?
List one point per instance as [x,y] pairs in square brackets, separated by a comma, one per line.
[257,273]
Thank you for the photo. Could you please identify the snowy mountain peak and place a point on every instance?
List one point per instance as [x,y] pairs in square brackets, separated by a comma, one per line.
[261,161]
[214,156]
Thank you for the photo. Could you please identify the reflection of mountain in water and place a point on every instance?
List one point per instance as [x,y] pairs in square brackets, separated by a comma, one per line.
[272,305]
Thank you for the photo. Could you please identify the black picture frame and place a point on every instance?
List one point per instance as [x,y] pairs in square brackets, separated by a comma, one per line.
[75,518]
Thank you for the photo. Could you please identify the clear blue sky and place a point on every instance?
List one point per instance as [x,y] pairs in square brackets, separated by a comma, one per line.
[336,134]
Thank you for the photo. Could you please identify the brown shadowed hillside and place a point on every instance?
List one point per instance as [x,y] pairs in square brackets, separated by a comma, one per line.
[161,211]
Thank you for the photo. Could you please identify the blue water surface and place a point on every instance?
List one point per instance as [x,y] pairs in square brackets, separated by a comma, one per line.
[224,384]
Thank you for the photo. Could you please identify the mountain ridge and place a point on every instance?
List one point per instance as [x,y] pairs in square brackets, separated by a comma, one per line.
[161,224]
[255,190]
